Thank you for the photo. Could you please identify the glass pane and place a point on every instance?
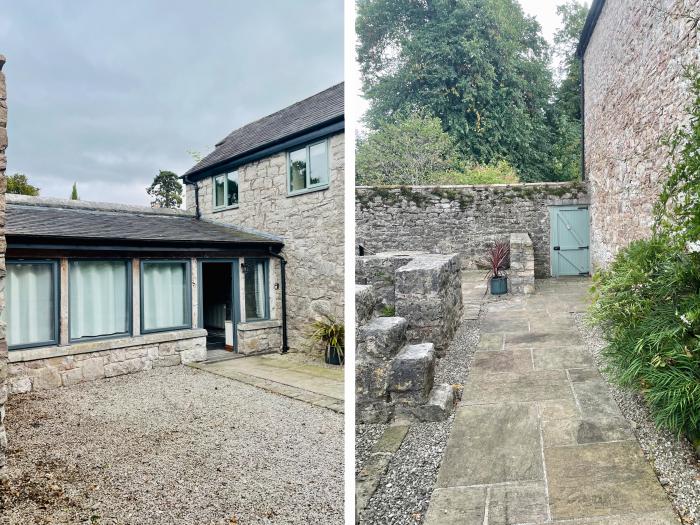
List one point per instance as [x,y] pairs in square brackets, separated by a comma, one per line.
[255,297]
[98,298]
[297,170]
[232,189]
[30,312]
[219,191]
[164,295]
[318,158]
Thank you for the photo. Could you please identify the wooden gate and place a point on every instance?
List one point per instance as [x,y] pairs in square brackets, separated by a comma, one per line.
[569,239]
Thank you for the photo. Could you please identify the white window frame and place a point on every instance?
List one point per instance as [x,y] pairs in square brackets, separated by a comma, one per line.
[309,188]
[213,191]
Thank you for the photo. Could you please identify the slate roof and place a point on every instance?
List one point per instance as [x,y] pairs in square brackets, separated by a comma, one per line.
[54,222]
[320,109]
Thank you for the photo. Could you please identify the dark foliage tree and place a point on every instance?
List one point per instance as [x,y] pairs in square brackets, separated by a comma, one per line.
[481,66]
[166,190]
[74,193]
[18,184]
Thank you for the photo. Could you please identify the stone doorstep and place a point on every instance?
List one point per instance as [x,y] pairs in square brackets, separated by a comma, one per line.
[368,479]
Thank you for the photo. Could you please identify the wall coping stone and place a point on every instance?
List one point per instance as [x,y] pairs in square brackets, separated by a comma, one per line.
[46,352]
[26,200]
[471,186]
[259,325]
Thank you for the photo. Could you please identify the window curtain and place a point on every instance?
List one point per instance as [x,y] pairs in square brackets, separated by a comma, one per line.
[30,315]
[98,298]
[164,295]
[256,300]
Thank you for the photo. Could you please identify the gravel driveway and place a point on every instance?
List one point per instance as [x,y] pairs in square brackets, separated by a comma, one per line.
[171,446]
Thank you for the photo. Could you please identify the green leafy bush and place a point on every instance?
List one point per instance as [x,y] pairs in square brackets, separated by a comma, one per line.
[647,302]
[496,173]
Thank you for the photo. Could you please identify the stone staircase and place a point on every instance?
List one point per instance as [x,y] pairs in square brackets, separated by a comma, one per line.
[394,379]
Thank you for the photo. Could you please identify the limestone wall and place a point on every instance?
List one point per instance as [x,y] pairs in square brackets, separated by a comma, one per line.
[53,367]
[259,337]
[460,219]
[635,94]
[312,227]
[3,342]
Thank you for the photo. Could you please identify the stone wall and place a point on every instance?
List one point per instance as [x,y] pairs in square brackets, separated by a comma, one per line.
[460,219]
[259,337]
[521,276]
[310,223]
[3,342]
[635,94]
[53,367]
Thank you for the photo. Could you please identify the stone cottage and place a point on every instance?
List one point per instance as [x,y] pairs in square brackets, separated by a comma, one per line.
[284,174]
[98,290]
[634,94]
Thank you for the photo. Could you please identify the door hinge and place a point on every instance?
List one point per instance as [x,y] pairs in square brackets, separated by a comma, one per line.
[583,247]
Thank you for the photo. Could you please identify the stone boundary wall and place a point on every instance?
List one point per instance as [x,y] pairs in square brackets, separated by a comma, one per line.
[259,337]
[521,276]
[3,246]
[99,359]
[635,95]
[460,219]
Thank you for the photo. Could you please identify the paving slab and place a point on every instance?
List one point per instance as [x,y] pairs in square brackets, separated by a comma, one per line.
[601,479]
[510,387]
[559,358]
[506,361]
[492,444]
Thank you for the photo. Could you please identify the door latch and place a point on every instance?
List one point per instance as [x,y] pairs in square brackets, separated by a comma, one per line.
[557,248]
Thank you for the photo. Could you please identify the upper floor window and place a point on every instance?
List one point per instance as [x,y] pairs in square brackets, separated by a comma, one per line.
[226,190]
[308,167]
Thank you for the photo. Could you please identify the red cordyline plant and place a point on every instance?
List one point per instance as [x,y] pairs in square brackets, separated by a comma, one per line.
[497,258]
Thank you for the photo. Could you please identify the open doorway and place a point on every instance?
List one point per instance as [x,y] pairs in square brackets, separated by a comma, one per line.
[218,305]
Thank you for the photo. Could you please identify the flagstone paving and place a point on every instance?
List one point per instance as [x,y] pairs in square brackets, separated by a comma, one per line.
[537,438]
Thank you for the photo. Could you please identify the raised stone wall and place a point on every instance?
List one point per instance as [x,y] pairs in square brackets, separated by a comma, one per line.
[635,94]
[53,367]
[3,342]
[259,337]
[311,225]
[521,276]
[460,219]
[379,271]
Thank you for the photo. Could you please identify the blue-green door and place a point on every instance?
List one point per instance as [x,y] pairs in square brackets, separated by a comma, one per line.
[569,240]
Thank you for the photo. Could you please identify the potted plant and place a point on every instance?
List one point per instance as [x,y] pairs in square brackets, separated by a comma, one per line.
[497,259]
[331,333]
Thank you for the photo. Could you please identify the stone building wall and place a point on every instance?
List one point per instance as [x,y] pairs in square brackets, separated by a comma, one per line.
[635,94]
[53,367]
[310,223]
[460,219]
[3,183]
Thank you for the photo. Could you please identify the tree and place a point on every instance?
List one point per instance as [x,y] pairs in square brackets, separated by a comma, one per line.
[74,193]
[480,66]
[408,151]
[18,184]
[166,190]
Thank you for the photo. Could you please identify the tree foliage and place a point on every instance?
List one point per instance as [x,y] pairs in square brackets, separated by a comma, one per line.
[18,184]
[74,193]
[166,190]
[480,66]
[647,302]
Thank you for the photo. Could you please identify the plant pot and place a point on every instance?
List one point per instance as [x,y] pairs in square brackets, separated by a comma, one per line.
[334,355]
[499,285]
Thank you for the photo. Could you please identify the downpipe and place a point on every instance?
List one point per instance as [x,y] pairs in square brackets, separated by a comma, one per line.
[283,280]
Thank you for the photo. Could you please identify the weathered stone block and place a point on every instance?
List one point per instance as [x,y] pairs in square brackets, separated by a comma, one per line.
[412,373]
[382,337]
[93,368]
[72,377]
[366,301]
[125,367]
[198,352]
[46,378]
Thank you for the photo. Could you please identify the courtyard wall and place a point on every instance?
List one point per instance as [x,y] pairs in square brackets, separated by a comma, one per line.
[460,219]
[635,94]
[3,185]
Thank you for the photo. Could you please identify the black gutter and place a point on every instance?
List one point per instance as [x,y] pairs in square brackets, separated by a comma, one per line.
[187,181]
[589,26]
[283,279]
[582,89]
[229,164]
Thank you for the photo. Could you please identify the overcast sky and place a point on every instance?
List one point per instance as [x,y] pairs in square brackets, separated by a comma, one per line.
[107,93]
[545,11]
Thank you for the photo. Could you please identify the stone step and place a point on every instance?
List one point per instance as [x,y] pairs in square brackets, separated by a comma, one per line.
[412,373]
[366,302]
[438,407]
[381,338]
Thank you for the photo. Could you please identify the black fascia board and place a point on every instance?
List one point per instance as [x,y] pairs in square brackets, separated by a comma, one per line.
[327,128]
[589,27]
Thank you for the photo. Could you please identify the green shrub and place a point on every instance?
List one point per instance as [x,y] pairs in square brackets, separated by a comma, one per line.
[497,173]
[647,302]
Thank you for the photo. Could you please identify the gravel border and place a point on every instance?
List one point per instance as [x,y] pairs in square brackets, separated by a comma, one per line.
[673,460]
[404,492]
[171,446]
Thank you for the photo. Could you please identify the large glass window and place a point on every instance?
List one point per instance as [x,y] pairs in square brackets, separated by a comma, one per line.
[308,167]
[165,295]
[32,297]
[257,306]
[226,190]
[99,298]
